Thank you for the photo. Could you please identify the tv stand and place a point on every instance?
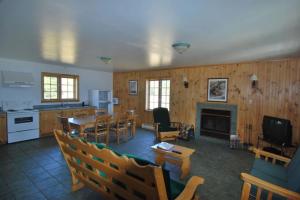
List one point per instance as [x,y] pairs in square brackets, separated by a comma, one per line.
[283,150]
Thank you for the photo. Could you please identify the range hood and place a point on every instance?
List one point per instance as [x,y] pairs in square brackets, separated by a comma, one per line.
[17,79]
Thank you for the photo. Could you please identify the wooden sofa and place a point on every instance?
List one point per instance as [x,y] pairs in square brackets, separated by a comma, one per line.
[118,176]
[273,177]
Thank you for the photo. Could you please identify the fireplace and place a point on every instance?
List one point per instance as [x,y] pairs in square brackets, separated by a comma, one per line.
[216,123]
[229,108]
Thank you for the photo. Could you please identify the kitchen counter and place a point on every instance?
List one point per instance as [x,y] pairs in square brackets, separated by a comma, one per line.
[64,108]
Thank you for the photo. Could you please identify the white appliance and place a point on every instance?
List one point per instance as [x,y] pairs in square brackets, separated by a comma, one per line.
[17,79]
[22,123]
[101,99]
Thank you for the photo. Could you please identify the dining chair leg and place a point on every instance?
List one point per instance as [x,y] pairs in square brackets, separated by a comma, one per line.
[107,138]
[118,137]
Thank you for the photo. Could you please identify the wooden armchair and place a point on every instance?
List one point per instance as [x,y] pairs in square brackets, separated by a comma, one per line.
[117,176]
[164,128]
[259,188]
[120,126]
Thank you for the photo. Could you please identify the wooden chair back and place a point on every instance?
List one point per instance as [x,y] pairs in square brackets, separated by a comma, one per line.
[114,176]
[81,113]
[65,124]
[121,121]
[100,111]
[102,123]
[131,117]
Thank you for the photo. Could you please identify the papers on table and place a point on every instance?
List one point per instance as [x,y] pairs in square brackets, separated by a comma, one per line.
[165,146]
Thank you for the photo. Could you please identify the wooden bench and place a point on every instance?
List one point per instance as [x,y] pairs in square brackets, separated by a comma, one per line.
[116,176]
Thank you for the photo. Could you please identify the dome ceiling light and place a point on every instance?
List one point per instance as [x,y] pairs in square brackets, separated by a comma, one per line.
[106,60]
[181,47]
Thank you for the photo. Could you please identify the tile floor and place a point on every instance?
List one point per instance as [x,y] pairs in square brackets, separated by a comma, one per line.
[36,169]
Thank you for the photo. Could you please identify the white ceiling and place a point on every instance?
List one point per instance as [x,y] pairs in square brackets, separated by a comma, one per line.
[138,34]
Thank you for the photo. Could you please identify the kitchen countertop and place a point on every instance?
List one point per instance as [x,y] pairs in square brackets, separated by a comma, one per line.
[65,108]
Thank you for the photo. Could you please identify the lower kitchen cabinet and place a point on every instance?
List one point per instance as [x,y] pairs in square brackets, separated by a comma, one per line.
[49,122]
[3,129]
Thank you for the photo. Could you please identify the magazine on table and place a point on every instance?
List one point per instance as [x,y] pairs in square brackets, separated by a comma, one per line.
[165,146]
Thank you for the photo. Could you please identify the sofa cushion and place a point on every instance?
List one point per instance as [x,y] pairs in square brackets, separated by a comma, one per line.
[176,188]
[166,173]
[294,172]
[277,171]
[173,187]
[161,115]
[268,178]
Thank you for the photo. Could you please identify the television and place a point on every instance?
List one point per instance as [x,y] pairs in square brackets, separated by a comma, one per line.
[277,131]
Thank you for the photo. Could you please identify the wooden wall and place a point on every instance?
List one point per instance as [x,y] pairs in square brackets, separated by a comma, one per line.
[278,82]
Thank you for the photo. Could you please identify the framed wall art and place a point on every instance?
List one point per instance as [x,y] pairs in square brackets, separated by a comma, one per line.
[133,87]
[217,89]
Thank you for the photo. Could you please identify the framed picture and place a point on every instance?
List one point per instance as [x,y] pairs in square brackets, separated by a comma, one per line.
[133,87]
[217,89]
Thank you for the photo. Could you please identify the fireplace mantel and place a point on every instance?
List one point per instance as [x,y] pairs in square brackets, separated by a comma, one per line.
[222,106]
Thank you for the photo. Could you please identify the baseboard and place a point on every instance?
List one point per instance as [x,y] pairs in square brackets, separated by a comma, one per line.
[148,126]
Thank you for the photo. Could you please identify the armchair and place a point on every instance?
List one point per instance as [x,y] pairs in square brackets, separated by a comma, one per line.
[270,180]
[164,128]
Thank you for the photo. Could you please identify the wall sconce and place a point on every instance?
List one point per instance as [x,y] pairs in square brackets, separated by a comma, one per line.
[185,82]
[254,80]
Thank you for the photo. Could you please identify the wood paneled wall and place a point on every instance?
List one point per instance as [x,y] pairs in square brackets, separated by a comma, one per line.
[278,94]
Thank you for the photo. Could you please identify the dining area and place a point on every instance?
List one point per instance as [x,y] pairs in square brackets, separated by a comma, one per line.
[100,126]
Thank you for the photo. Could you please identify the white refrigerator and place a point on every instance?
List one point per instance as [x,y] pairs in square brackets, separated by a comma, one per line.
[101,99]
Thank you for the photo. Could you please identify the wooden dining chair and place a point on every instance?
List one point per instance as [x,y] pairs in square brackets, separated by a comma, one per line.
[132,123]
[66,126]
[82,113]
[101,129]
[100,111]
[120,126]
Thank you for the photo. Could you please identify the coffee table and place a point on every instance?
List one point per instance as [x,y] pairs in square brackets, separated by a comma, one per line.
[181,159]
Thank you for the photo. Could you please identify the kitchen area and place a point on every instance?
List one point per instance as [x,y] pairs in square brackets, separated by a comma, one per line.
[24,115]
[32,122]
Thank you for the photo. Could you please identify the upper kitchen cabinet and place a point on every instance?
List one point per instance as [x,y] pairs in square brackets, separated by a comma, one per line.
[3,130]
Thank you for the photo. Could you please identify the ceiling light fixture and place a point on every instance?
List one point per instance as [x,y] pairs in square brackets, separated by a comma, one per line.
[181,47]
[106,60]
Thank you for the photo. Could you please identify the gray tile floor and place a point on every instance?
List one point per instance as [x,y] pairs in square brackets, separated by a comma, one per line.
[36,169]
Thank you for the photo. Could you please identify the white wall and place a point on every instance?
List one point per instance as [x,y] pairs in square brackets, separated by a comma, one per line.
[88,79]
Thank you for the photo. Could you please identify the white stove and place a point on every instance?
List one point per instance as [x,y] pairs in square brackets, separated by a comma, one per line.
[22,123]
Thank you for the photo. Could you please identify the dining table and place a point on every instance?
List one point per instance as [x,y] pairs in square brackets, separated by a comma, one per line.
[83,122]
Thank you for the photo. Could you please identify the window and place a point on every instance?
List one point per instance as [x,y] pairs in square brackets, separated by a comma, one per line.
[157,94]
[59,87]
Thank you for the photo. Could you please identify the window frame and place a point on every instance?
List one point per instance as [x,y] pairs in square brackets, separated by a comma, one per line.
[147,102]
[59,89]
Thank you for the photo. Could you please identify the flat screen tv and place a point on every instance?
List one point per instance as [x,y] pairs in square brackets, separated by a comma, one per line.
[277,131]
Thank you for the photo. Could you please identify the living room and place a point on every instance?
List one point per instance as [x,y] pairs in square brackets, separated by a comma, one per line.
[149,100]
